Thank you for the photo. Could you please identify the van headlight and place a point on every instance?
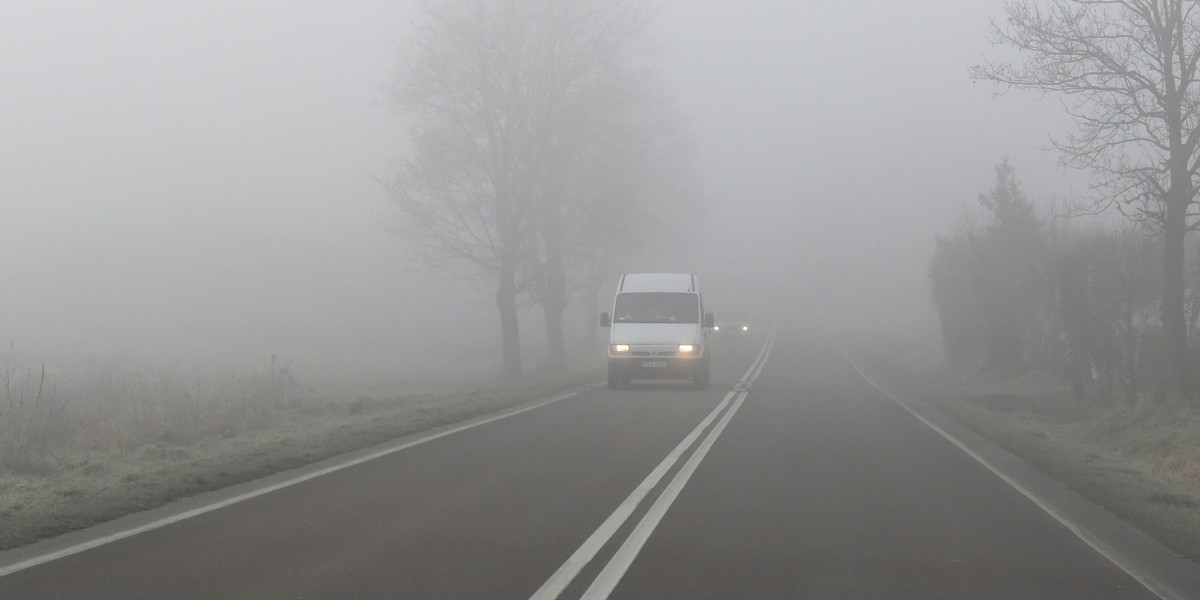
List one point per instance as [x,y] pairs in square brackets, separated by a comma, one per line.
[620,348]
[686,348]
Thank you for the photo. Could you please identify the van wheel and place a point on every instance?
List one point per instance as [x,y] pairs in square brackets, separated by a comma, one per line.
[700,379]
[614,379]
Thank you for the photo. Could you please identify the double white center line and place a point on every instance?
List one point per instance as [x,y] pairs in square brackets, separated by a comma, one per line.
[608,578]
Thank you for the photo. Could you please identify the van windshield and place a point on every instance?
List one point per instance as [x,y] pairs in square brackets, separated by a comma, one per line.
[657,307]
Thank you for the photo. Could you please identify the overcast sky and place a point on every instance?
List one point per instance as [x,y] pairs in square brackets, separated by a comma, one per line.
[192,182]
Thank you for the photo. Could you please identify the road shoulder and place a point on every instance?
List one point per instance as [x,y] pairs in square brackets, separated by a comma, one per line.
[1160,568]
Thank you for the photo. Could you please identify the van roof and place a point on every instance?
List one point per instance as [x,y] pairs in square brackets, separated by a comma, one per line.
[658,282]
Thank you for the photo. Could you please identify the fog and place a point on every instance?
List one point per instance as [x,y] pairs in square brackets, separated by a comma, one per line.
[196,184]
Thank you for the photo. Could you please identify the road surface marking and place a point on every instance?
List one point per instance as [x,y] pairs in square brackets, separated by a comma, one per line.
[120,535]
[608,579]
[587,551]
[1080,532]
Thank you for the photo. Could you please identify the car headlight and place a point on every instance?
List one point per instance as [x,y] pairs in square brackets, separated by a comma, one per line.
[620,348]
[745,328]
[686,348]
[716,327]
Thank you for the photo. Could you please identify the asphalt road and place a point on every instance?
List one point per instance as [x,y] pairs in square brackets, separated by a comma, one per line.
[808,484]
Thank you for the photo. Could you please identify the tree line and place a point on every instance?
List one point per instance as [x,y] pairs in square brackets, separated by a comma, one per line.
[1127,74]
[541,151]
[1021,292]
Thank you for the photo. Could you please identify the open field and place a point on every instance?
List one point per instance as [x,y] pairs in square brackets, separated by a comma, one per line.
[1141,463]
[142,441]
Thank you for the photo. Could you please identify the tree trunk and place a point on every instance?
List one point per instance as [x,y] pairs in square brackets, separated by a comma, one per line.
[591,300]
[510,334]
[1129,345]
[1174,318]
[556,352]
[553,305]
[1178,197]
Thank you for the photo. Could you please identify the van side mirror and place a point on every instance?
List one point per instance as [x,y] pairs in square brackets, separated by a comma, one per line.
[709,321]
[605,321]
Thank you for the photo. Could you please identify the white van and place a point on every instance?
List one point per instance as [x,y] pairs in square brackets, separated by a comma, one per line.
[658,329]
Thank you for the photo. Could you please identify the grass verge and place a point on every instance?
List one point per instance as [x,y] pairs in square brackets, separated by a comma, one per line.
[1141,463]
[75,491]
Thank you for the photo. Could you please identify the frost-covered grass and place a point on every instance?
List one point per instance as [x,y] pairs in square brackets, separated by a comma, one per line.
[52,417]
[1141,463]
[111,443]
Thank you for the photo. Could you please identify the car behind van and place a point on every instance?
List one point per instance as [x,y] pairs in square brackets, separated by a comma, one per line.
[658,330]
[732,326]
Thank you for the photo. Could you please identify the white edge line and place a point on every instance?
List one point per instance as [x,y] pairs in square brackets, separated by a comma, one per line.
[1080,532]
[120,535]
[608,578]
[587,551]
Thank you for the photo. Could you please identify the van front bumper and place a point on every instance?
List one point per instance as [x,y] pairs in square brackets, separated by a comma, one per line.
[656,367]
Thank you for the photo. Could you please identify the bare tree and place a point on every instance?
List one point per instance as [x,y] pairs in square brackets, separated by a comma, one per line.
[1127,72]
[634,195]
[593,89]
[527,116]
[464,195]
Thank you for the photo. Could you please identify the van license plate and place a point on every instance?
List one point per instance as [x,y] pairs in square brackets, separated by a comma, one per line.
[654,364]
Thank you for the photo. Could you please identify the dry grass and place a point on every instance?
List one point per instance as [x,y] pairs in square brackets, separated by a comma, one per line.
[113,442]
[50,419]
